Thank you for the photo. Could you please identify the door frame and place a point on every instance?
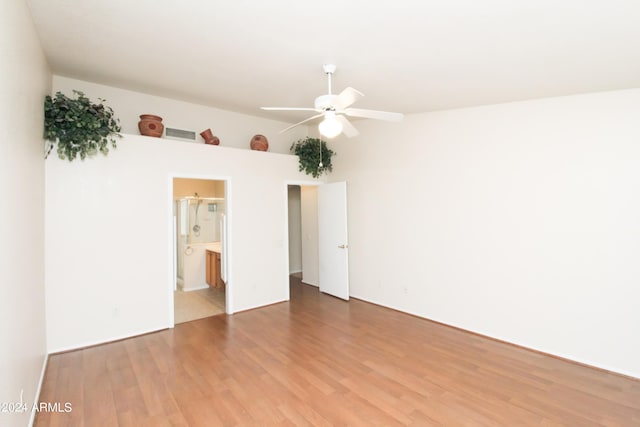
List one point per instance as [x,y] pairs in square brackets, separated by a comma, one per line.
[171,234]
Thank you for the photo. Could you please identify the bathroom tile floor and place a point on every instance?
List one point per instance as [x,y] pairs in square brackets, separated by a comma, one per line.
[198,304]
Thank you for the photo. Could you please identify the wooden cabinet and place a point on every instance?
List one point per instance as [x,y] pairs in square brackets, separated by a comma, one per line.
[213,270]
[219,282]
[211,265]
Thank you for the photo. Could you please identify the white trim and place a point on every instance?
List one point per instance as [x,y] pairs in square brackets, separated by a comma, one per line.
[228,195]
[584,362]
[108,340]
[304,183]
[45,362]
[173,272]
[285,238]
[174,244]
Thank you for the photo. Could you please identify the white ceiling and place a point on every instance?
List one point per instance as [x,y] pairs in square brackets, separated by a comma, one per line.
[404,55]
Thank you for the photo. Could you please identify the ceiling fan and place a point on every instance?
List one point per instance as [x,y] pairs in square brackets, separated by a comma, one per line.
[334,108]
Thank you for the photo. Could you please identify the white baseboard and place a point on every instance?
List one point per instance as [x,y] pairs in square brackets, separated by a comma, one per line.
[36,399]
[570,358]
[106,340]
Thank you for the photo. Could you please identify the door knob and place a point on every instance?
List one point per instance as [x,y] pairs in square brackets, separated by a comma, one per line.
[343,246]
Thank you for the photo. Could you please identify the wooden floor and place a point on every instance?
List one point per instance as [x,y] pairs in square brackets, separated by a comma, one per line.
[320,361]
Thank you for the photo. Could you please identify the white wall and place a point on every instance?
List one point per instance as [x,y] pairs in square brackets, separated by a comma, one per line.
[24,81]
[520,221]
[233,129]
[109,236]
[295,237]
[309,229]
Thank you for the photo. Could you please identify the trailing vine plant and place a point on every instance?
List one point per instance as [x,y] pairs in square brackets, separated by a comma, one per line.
[79,126]
[314,156]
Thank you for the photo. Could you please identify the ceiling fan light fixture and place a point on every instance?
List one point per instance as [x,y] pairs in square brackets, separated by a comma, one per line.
[328,104]
[330,126]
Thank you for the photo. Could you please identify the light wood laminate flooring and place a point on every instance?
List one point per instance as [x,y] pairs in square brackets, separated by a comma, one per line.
[320,361]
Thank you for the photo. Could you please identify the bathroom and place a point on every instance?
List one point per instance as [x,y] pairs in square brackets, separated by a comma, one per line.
[199,216]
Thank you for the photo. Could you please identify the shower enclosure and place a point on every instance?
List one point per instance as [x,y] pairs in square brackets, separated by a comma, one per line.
[198,228]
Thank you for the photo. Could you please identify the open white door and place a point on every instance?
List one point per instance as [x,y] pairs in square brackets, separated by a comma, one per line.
[333,252]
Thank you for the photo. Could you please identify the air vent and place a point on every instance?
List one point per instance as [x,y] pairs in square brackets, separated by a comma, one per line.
[179,133]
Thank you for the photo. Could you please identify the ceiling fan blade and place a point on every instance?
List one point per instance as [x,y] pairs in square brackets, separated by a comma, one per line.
[347,128]
[287,109]
[373,114]
[299,123]
[347,97]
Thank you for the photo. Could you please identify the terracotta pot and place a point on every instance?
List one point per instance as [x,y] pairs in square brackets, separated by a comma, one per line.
[209,137]
[259,143]
[150,125]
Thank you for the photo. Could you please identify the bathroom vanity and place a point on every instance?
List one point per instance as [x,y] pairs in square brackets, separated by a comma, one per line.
[214,278]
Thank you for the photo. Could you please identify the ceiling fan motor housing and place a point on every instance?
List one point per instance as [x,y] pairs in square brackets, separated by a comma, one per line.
[325,102]
[329,68]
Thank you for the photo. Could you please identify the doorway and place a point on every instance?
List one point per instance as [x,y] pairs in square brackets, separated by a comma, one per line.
[320,235]
[303,232]
[200,209]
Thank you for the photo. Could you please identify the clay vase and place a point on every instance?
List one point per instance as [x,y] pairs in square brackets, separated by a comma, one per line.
[150,125]
[259,143]
[209,137]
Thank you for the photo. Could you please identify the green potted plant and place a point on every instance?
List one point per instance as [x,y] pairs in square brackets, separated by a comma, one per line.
[314,156]
[79,126]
